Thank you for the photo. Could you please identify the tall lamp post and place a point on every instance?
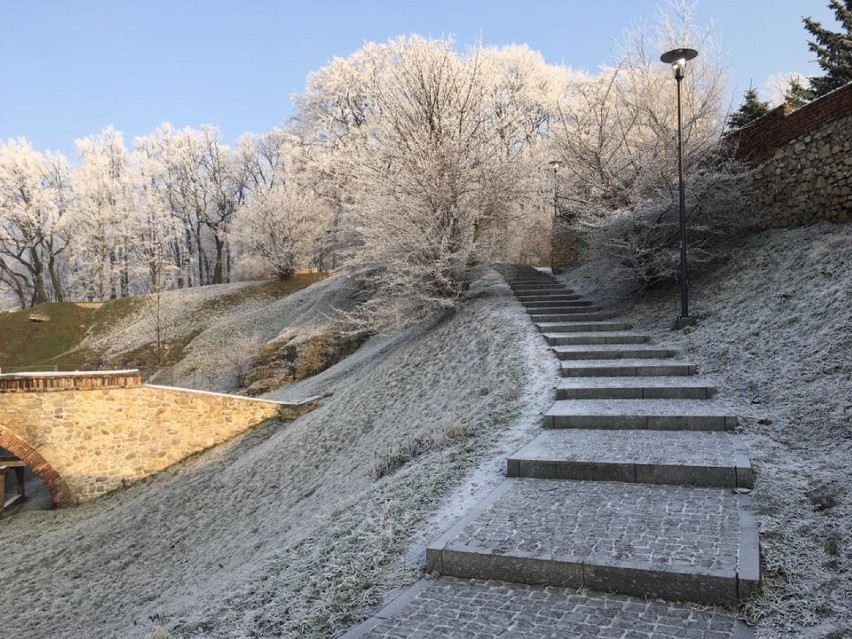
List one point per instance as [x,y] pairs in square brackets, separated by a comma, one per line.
[678,59]
[554,164]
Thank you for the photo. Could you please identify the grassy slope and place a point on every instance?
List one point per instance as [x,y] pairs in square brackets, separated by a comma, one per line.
[295,530]
[29,345]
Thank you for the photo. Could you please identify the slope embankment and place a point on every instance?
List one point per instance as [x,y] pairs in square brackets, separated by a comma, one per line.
[775,331]
[297,529]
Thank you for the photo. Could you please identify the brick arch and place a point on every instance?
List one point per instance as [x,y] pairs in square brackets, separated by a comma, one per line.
[59,490]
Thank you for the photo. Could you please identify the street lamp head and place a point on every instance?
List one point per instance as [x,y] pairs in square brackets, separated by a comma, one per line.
[678,59]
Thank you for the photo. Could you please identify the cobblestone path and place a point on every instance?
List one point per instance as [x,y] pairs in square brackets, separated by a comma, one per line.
[635,487]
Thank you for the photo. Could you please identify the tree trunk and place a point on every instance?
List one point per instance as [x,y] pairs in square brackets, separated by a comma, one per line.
[55,282]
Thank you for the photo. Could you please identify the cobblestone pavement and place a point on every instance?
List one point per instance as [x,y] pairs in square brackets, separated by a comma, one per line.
[673,407]
[651,524]
[475,609]
[670,532]
[682,448]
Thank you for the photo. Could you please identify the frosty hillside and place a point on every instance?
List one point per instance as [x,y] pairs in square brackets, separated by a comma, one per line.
[407,365]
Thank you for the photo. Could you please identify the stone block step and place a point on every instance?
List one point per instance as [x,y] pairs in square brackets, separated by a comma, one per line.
[488,609]
[563,309]
[629,414]
[612,351]
[537,289]
[609,337]
[534,281]
[582,327]
[572,317]
[557,304]
[679,387]
[549,297]
[627,368]
[656,541]
[638,456]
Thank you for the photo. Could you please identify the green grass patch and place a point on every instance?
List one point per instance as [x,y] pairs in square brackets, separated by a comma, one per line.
[28,344]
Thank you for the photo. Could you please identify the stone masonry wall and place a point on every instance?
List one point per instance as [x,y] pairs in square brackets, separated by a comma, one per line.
[802,160]
[85,443]
[807,180]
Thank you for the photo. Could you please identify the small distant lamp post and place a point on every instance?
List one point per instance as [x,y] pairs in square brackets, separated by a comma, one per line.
[678,59]
[554,164]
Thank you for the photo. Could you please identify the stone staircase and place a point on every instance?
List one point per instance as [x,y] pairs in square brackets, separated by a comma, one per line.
[636,486]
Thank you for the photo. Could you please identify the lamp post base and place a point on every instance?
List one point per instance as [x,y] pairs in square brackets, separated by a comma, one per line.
[684,322]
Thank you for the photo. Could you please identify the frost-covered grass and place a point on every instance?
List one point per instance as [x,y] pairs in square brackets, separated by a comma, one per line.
[289,531]
[208,333]
[775,332]
[293,531]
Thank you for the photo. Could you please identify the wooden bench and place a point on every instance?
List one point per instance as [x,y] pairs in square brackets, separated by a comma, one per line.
[15,464]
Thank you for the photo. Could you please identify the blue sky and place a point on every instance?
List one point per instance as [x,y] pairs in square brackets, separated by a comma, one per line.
[69,68]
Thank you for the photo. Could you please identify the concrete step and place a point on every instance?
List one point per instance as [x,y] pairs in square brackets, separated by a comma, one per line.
[557,304]
[551,298]
[582,327]
[629,414]
[563,310]
[537,289]
[486,609]
[612,351]
[545,293]
[637,456]
[608,337]
[572,317]
[679,387]
[627,368]
[656,541]
[534,281]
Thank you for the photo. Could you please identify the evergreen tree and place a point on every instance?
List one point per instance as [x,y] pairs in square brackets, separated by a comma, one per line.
[750,110]
[797,94]
[833,49]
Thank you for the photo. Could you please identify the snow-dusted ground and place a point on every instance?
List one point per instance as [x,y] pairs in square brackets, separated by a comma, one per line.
[223,338]
[214,358]
[179,314]
[296,529]
[289,532]
[775,332]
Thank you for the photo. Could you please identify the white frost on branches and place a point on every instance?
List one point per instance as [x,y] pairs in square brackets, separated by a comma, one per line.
[408,163]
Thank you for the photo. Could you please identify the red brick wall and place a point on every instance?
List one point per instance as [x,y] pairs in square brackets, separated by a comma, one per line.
[22,450]
[759,141]
[43,382]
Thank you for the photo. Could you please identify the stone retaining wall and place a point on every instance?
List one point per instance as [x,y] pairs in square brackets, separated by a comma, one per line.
[84,443]
[802,160]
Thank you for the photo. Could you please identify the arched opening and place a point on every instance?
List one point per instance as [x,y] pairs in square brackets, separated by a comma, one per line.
[59,491]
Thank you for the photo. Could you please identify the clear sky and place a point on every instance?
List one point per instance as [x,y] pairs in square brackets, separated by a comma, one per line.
[69,68]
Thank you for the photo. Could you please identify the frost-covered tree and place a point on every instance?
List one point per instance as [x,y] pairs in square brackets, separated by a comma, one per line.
[259,159]
[429,153]
[616,130]
[34,200]
[617,142]
[282,227]
[196,175]
[104,217]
